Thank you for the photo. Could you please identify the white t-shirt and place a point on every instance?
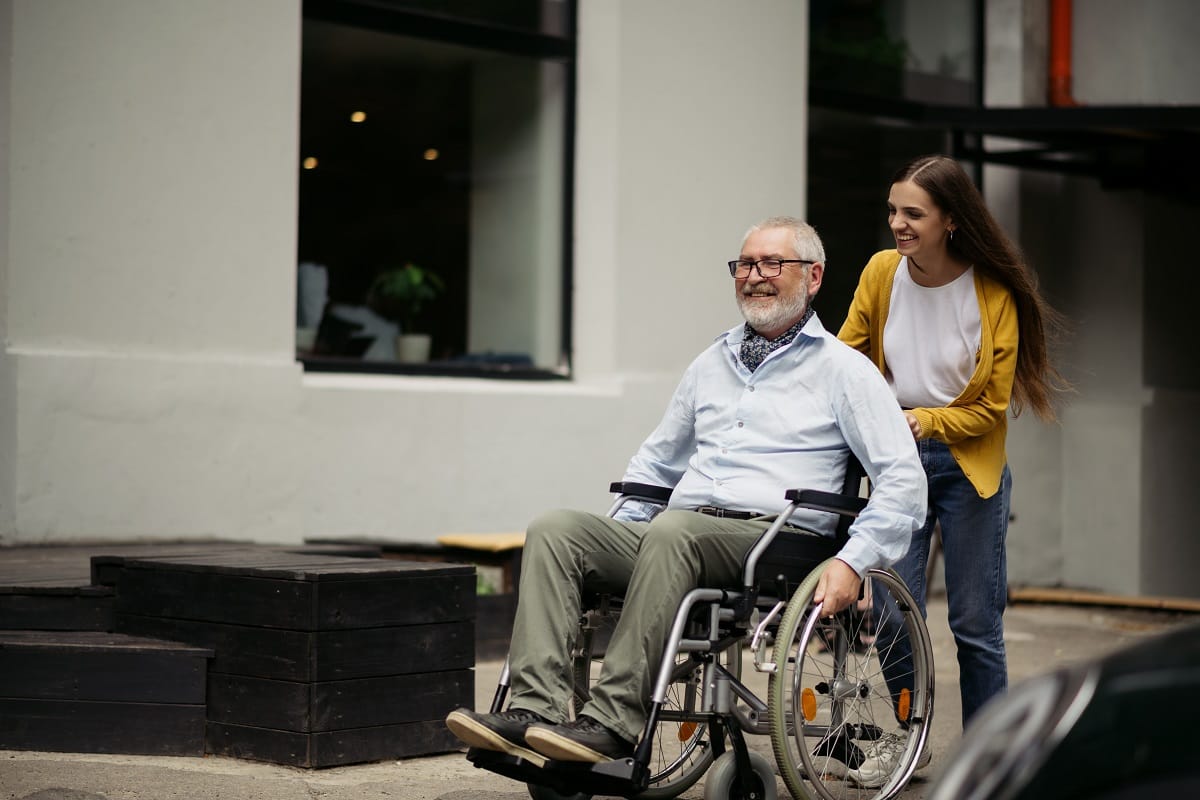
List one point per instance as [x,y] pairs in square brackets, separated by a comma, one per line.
[931,339]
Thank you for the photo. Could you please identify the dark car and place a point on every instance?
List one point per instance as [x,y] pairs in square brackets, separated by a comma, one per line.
[1123,726]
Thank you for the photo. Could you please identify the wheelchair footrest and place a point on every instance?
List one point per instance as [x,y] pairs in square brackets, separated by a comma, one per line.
[621,778]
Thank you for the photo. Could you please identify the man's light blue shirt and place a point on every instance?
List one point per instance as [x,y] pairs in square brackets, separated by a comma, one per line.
[738,440]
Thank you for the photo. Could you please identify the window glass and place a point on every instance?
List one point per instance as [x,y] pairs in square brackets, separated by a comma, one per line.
[432,193]
[920,50]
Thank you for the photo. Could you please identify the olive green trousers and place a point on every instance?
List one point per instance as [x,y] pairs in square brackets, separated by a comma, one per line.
[659,562]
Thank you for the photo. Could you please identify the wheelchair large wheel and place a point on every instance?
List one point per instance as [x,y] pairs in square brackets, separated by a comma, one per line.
[683,749]
[836,729]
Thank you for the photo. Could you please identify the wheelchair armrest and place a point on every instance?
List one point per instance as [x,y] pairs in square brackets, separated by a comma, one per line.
[827,501]
[645,491]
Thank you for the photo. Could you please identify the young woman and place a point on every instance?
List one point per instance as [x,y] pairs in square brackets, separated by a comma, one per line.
[953,319]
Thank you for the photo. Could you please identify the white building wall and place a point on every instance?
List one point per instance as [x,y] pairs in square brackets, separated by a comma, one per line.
[148,387]
[8,390]
[709,143]
[148,139]
[151,189]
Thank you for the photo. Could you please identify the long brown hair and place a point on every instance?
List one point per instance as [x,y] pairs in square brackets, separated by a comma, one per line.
[979,240]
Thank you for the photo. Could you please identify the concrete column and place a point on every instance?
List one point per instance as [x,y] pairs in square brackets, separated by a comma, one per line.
[8,391]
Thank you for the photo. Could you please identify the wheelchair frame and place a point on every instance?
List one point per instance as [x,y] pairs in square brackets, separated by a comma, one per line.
[712,623]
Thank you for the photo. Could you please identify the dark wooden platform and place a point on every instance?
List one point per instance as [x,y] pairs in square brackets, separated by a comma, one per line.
[317,655]
[50,588]
[95,692]
[495,611]
[71,587]
[318,660]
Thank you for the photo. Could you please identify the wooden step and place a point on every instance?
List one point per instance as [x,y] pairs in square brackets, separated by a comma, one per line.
[49,588]
[319,660]
[70,587]
[56,608]
[96,692]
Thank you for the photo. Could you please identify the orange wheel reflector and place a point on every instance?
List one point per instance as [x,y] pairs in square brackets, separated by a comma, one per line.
[904,704]
[686,731]
[808,704]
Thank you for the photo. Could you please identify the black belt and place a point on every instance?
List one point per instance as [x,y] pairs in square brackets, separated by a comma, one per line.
[714,511]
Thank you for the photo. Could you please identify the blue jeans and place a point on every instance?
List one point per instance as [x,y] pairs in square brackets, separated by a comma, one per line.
[973,534]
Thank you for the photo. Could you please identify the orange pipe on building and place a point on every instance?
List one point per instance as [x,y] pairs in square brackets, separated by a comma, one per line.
[1058,89]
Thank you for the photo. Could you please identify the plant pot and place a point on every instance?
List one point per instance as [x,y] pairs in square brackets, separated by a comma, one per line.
[413,348]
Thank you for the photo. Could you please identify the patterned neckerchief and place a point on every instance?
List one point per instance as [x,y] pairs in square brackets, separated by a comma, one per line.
[756,347]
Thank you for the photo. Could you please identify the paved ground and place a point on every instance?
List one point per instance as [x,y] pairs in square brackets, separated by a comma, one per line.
[1039,638]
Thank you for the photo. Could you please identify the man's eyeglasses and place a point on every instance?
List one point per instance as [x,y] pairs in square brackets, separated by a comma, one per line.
[767,267]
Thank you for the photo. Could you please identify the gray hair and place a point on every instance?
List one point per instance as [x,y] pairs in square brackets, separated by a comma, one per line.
[805,240]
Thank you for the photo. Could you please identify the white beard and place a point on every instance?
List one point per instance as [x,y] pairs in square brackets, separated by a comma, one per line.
[783,310]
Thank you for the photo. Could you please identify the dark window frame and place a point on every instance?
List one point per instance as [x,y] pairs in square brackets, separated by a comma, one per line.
[379,15]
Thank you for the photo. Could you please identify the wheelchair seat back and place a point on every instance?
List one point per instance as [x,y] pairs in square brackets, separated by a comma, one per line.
[791,556]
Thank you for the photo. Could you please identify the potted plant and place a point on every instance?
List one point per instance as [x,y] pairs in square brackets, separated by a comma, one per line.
[400,293]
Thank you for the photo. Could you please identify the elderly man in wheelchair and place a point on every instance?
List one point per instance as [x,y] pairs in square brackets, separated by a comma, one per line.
[775,414]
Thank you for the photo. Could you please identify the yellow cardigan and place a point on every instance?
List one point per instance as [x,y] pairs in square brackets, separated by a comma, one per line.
[975,423]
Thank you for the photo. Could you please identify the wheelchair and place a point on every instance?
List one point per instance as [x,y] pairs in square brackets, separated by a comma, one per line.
[827,708]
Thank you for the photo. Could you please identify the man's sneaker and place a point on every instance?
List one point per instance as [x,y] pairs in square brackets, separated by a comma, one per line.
[504,732]
[882,758]
[584,739]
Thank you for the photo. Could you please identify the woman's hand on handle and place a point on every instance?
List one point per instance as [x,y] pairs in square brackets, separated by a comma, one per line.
[914,424]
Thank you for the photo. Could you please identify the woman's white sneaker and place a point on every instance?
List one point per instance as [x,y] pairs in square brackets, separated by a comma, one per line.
[882,757]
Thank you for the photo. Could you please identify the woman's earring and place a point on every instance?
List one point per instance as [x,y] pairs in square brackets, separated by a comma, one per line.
[952,234]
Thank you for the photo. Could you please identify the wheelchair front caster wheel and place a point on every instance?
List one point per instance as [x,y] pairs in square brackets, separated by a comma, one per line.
[722,782]
[539,792]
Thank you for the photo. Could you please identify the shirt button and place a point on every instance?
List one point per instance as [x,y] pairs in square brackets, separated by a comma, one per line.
[724,451]
[740,424]
[752,388]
